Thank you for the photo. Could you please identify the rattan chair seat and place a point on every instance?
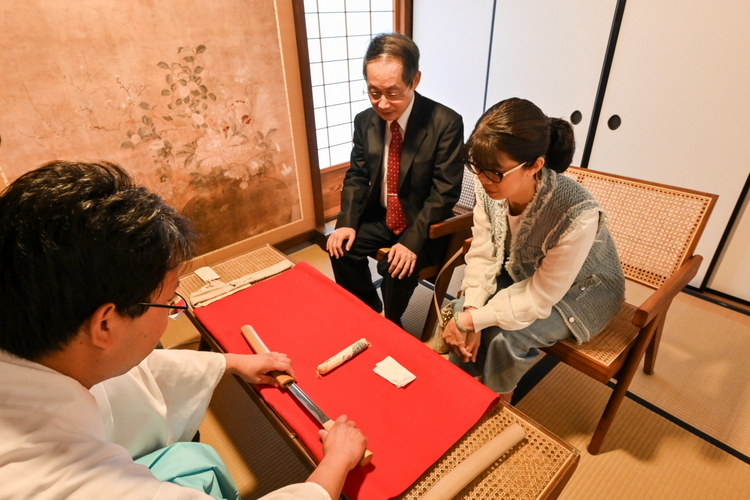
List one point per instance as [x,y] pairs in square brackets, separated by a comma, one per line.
[656,229]
[614,339]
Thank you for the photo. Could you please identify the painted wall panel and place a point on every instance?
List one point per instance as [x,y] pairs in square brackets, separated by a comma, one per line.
[200,101]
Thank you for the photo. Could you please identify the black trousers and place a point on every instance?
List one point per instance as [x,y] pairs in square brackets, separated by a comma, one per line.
[352,271]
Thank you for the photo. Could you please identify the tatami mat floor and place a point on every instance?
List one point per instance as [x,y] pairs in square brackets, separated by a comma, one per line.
[644,456]
[700,450]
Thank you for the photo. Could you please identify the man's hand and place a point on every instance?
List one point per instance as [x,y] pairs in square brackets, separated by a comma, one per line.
[402,261]
[253,368]
[344,442]
[335,243]
[343,447]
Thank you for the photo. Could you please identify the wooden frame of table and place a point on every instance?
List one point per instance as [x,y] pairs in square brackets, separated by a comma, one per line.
[537,468]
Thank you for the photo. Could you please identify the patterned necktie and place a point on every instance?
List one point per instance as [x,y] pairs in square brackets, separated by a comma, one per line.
[394,217]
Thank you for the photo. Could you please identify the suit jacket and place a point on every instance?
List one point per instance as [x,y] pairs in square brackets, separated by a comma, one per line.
[430,176]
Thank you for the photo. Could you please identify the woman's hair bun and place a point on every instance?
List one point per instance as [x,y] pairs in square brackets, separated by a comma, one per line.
[562,145]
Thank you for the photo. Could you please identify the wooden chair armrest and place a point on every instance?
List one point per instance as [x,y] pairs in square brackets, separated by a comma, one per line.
[659,301]
[464,249]
[452,225]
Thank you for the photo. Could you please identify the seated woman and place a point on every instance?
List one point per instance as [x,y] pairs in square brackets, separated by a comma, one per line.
[542,266]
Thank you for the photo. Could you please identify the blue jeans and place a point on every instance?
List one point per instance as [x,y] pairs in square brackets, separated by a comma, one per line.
[505,356]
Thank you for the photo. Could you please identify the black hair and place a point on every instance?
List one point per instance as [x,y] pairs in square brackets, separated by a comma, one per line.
[398,46]
[518,128]
[76,236]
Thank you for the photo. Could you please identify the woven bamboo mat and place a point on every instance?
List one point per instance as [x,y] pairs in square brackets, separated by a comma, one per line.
[644,455]
[527,471]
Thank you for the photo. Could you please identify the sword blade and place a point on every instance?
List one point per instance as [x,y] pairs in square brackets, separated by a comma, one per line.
[308,403]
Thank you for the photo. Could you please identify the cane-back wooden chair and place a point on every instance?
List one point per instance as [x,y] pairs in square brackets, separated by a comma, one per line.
[656,229]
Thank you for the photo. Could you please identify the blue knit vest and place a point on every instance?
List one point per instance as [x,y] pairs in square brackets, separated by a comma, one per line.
[558,205]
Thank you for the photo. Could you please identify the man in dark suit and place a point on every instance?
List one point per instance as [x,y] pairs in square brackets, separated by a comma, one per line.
[405,174]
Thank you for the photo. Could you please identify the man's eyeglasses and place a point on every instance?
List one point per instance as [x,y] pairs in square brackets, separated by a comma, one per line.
[176,306]
[492,175]
[376,96]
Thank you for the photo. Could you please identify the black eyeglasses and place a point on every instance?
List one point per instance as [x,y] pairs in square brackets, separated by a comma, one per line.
[492,175]
[377,96]
[177,305]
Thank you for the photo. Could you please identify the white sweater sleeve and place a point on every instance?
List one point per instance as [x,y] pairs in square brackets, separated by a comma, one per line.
[522,303]
[482,266]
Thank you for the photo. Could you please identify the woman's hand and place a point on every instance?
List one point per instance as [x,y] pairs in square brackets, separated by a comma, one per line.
[454,338]
[253,368]
[464,345]
[473,341]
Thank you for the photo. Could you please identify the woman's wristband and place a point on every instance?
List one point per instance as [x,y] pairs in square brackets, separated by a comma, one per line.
[458,325]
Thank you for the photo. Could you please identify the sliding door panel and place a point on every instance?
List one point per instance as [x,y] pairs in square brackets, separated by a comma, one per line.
[551,53]
[677,104]
[454,40]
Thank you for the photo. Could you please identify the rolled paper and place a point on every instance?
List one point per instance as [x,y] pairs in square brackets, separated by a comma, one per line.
[454,481]
[342,357]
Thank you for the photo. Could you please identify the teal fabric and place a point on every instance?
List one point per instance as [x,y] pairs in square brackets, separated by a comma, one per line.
[192,465]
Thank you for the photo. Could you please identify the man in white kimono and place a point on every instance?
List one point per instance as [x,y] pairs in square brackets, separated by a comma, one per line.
[88,276]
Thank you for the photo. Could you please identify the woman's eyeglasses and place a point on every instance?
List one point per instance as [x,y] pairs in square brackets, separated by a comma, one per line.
[177,305]
[492,175]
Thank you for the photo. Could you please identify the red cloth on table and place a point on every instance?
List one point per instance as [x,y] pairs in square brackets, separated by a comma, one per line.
[309,317]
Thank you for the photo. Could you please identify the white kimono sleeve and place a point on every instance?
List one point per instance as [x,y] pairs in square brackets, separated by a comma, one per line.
[303,491]
[159,402]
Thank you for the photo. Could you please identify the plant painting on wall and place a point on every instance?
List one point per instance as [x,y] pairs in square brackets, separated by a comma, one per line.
[194,106]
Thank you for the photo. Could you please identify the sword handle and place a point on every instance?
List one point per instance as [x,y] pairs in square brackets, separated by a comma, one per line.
[366,458]
[258,347]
